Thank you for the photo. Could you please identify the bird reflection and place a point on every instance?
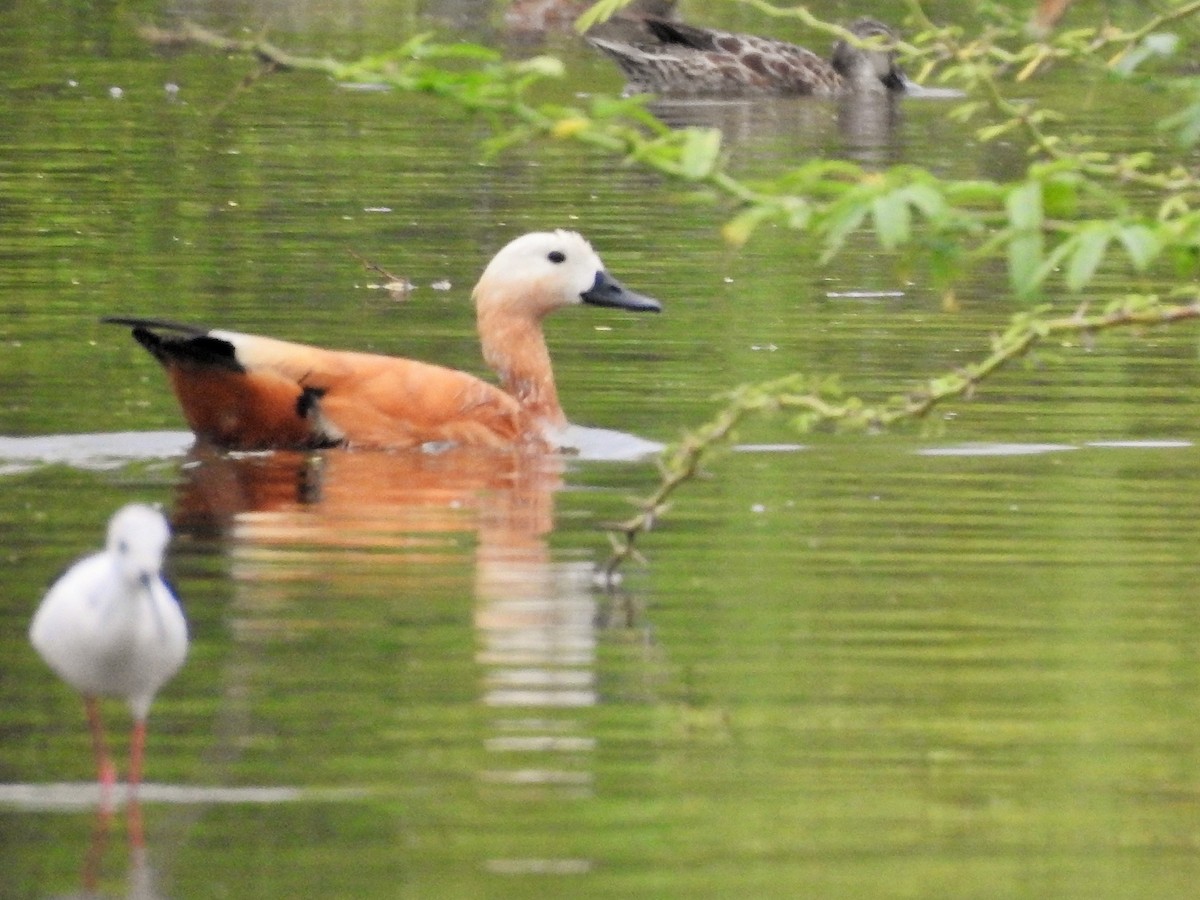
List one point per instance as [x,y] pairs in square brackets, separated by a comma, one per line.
[865,126]
[403,514]
[525,601]
[140,878]
[374,500]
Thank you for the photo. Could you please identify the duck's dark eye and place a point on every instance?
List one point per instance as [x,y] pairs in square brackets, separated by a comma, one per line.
[556,256]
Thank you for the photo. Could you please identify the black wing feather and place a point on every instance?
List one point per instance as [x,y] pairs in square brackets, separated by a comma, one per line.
[192,345]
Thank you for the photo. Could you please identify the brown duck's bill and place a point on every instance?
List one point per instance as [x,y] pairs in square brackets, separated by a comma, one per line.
[607,291]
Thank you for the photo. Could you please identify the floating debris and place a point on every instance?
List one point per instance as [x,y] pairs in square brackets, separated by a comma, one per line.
[864,295]
[397,286]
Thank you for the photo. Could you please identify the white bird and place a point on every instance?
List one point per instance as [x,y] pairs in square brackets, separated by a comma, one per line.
[111,627]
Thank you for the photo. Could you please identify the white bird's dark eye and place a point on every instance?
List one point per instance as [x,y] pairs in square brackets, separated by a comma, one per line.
[556,256]
[123,547]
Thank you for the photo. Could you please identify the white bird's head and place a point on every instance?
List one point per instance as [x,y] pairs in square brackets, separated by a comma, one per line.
[540,272]
[137,539]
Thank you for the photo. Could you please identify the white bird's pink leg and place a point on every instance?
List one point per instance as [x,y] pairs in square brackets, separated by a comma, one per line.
[137,751]
[106,771]
[96,846]
[133,816]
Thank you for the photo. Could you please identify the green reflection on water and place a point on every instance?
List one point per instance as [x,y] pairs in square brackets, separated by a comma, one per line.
[851,671]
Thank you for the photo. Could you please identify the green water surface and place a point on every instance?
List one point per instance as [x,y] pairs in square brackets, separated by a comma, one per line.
[932,663]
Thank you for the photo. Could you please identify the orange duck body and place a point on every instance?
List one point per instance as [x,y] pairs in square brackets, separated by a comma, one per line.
[245,392]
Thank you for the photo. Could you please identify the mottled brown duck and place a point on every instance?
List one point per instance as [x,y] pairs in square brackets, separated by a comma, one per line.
[683,59]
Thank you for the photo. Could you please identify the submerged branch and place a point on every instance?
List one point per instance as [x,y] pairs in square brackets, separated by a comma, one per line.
[190,34]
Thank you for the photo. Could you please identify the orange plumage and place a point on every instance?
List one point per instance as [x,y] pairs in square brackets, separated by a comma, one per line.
[246,392]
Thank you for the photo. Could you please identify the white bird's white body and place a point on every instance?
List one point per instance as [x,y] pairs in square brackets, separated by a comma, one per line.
[111,627]
[109,637]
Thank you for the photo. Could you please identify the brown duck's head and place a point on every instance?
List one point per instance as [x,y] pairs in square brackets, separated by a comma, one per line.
[870,69]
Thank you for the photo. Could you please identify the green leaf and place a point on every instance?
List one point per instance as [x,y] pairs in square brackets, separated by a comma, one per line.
[991,132]
[1024,263]
[738,229]
[974,192]
[845,218]
[893,220]
[945,260]
[1141,244]
[1024,205]
[1158,44]
[965,111]
[601,11]
[1090,245]
[550,66]
[700,153]
[928,200]
[799,213]
[422,47]
[1060,197]
[1054,258]
[1186,121]
[1025,248]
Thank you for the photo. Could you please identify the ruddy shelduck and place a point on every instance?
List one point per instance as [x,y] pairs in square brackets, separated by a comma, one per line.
[111,627]
[243,392]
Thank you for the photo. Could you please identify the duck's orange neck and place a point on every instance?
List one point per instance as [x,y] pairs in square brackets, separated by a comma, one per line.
[515,349]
